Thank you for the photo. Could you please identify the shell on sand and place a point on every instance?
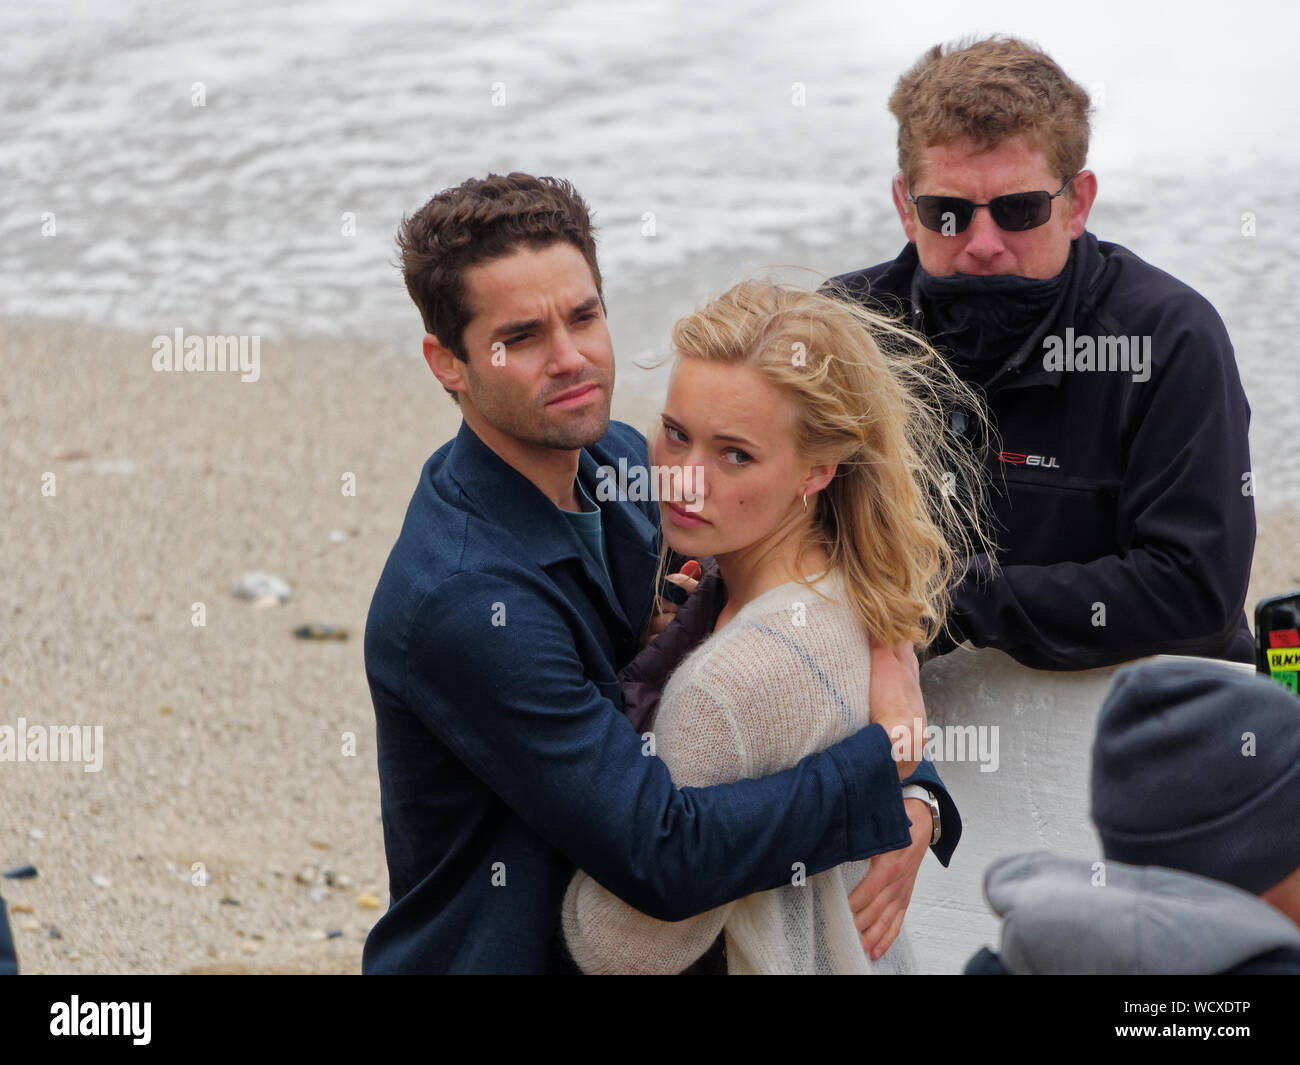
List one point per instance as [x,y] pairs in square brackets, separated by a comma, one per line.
[259,585]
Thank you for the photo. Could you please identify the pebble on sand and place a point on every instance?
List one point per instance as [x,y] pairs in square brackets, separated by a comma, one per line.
[368,900]
[258,584]
[317,631]
[20,872]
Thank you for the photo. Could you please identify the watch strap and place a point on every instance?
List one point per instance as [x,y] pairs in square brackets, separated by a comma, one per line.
[916,791]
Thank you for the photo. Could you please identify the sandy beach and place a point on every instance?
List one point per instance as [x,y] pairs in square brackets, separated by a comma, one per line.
[234,825]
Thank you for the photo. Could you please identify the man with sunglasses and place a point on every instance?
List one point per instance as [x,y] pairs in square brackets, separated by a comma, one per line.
[1119,468]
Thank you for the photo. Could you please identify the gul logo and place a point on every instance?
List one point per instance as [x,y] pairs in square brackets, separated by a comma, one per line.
[1016,458]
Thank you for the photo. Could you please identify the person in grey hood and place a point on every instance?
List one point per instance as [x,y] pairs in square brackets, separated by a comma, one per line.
[1196,799]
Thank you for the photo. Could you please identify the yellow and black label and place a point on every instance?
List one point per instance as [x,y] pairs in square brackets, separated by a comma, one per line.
[1283,658]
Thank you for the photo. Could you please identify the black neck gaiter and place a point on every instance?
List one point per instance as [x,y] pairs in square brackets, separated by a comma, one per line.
[983,321]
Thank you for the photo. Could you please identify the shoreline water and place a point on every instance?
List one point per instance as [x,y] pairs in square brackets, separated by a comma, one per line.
[234,825]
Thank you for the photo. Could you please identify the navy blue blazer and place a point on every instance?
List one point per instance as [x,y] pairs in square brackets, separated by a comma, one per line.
[492,650]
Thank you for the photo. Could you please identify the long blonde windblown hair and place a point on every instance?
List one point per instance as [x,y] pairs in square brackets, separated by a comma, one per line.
[905,507]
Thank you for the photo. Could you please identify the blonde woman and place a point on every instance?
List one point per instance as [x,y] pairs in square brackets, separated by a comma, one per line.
[835,508]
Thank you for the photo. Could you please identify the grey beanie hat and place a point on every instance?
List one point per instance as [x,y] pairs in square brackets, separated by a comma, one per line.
[1196,766]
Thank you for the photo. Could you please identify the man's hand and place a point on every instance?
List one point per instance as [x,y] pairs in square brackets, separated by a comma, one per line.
[664,612]
[880,901]
[896,702]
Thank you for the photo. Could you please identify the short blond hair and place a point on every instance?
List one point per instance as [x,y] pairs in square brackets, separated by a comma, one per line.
[988,91]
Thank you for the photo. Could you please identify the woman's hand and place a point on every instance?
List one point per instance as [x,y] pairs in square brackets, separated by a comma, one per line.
[662,615]
[880,902]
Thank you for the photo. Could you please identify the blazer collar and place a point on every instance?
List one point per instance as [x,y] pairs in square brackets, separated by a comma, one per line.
[499,494]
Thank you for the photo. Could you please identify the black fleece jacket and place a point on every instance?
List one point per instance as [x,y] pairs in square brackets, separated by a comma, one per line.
[1122,499]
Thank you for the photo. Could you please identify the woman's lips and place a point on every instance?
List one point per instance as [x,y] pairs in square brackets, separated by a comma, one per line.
[681,516]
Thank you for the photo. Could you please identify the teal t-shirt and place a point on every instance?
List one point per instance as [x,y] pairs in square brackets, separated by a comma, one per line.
[589,528]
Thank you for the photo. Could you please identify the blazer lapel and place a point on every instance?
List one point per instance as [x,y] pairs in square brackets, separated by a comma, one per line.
[502,495]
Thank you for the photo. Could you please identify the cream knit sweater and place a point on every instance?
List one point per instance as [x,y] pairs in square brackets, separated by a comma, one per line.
[787,676]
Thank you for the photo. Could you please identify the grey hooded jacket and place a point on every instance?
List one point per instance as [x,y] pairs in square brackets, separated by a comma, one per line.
[1066,915]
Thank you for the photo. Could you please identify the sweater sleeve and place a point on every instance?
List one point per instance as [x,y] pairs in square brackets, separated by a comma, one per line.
[701,746]
[515,704]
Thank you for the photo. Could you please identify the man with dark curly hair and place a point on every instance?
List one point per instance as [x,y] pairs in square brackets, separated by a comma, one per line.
[510,603]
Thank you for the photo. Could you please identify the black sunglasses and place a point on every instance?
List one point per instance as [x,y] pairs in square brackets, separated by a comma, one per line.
[1014,212]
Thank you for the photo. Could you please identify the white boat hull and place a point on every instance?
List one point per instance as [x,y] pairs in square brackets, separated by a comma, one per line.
[1036,799]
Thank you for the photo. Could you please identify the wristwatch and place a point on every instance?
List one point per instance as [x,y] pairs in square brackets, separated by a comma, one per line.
[916,791]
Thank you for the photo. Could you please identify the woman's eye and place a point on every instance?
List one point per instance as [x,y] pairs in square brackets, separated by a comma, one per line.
[675,435]
[743,458]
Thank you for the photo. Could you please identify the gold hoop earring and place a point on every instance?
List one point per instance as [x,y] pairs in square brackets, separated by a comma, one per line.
[805,501]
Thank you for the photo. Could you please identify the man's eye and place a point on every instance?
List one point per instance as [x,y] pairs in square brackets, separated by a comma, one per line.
[517,338]
[743,458]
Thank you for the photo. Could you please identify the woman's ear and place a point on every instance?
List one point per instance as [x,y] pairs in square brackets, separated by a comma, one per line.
[819,476]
